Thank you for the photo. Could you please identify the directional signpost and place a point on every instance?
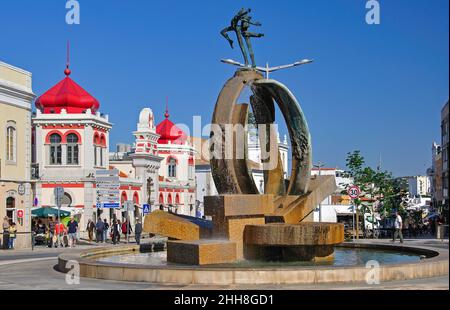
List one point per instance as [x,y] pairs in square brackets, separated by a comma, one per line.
[59,194]
[354,192]
[107,189]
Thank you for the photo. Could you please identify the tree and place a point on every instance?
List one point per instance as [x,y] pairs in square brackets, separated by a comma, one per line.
[378,188]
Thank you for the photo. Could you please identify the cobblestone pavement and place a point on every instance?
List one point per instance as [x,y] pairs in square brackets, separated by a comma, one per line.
[24,269]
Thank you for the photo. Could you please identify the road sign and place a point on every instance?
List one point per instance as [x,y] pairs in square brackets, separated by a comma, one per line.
[20,214]
[112,172]
[107,188]
[109,205]
[146,209]
[107,192]
[59,193]
[354,192]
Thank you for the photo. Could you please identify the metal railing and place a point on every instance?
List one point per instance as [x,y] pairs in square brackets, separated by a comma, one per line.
[17,235]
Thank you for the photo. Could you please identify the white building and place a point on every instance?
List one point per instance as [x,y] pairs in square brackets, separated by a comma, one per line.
[163,160]
[419,185]
[335,204]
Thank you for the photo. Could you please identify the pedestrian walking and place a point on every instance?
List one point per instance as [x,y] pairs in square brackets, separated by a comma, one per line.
[138,231]
[119,229]
[59,233]
[5,233]
[398,226]
[105,231]
[115,232]
[99,227]
[12,235]
[90,229]
[52,234]
[72,230]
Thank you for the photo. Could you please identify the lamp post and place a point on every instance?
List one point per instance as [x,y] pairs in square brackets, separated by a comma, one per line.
[319,166]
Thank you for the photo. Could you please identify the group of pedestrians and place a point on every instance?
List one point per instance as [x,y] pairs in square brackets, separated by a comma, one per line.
[101,230]
[9,233]
[55,234]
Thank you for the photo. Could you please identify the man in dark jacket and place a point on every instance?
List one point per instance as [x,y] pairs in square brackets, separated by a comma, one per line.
[138,231]
[99,227]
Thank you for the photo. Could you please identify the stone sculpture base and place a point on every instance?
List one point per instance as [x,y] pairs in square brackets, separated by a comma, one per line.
[282,242]
[294,209]
[232,213]
[171,226]
[201,252]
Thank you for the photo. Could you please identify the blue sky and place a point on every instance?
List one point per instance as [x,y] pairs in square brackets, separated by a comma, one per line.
[379,89]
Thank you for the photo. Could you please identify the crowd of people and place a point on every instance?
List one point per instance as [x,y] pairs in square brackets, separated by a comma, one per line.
[102,231]
[54,234]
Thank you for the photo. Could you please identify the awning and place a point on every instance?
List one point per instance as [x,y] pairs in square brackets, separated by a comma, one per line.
[48,212]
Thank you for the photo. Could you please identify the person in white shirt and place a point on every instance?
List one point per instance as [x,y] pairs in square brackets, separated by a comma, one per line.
[398,227]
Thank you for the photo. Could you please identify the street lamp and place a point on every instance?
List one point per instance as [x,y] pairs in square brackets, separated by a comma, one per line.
[319,166]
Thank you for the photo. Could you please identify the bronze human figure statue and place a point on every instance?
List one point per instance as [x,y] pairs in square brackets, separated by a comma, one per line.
[246,22]
[240,24]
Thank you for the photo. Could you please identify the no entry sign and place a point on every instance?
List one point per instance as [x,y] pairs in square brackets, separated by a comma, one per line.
[354,192]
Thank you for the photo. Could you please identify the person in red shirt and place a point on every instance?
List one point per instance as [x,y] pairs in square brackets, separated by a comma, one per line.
[60,229]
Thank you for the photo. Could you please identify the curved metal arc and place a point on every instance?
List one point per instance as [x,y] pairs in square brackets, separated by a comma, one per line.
[299,134]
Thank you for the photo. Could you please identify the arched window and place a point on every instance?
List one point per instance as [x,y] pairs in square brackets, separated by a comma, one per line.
[124,197]
[161,198]
[169,199]
[102,146]
[96,145]
[11,143]
[66,200]
[55,149]
[11,208]
[72,149]
[172,168]
[136,198]
[177,199]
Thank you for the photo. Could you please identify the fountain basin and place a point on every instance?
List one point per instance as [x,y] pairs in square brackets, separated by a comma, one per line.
[91,266]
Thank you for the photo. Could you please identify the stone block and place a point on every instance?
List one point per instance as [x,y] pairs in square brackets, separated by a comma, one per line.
[201,252]
[171,226]
[294,209]
[293,235]
[238,205]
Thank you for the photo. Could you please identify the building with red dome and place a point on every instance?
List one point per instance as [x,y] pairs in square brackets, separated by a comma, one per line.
[70,143]
[164,158]
[177,172]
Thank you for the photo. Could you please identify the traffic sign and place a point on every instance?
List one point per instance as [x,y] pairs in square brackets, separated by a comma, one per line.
[110,205]
[112,172]
[146,209]
[20,214]
[108,192]
[59,193]
[354,192]
[107,188]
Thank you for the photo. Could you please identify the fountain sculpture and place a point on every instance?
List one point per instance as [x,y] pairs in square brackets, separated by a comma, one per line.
[274,226]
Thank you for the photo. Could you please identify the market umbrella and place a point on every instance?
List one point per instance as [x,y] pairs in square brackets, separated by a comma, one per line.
[48,212]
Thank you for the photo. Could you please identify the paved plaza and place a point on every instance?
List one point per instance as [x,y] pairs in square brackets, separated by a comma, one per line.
[31,270]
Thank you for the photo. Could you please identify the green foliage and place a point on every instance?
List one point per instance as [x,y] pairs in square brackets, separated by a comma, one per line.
[379,186]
